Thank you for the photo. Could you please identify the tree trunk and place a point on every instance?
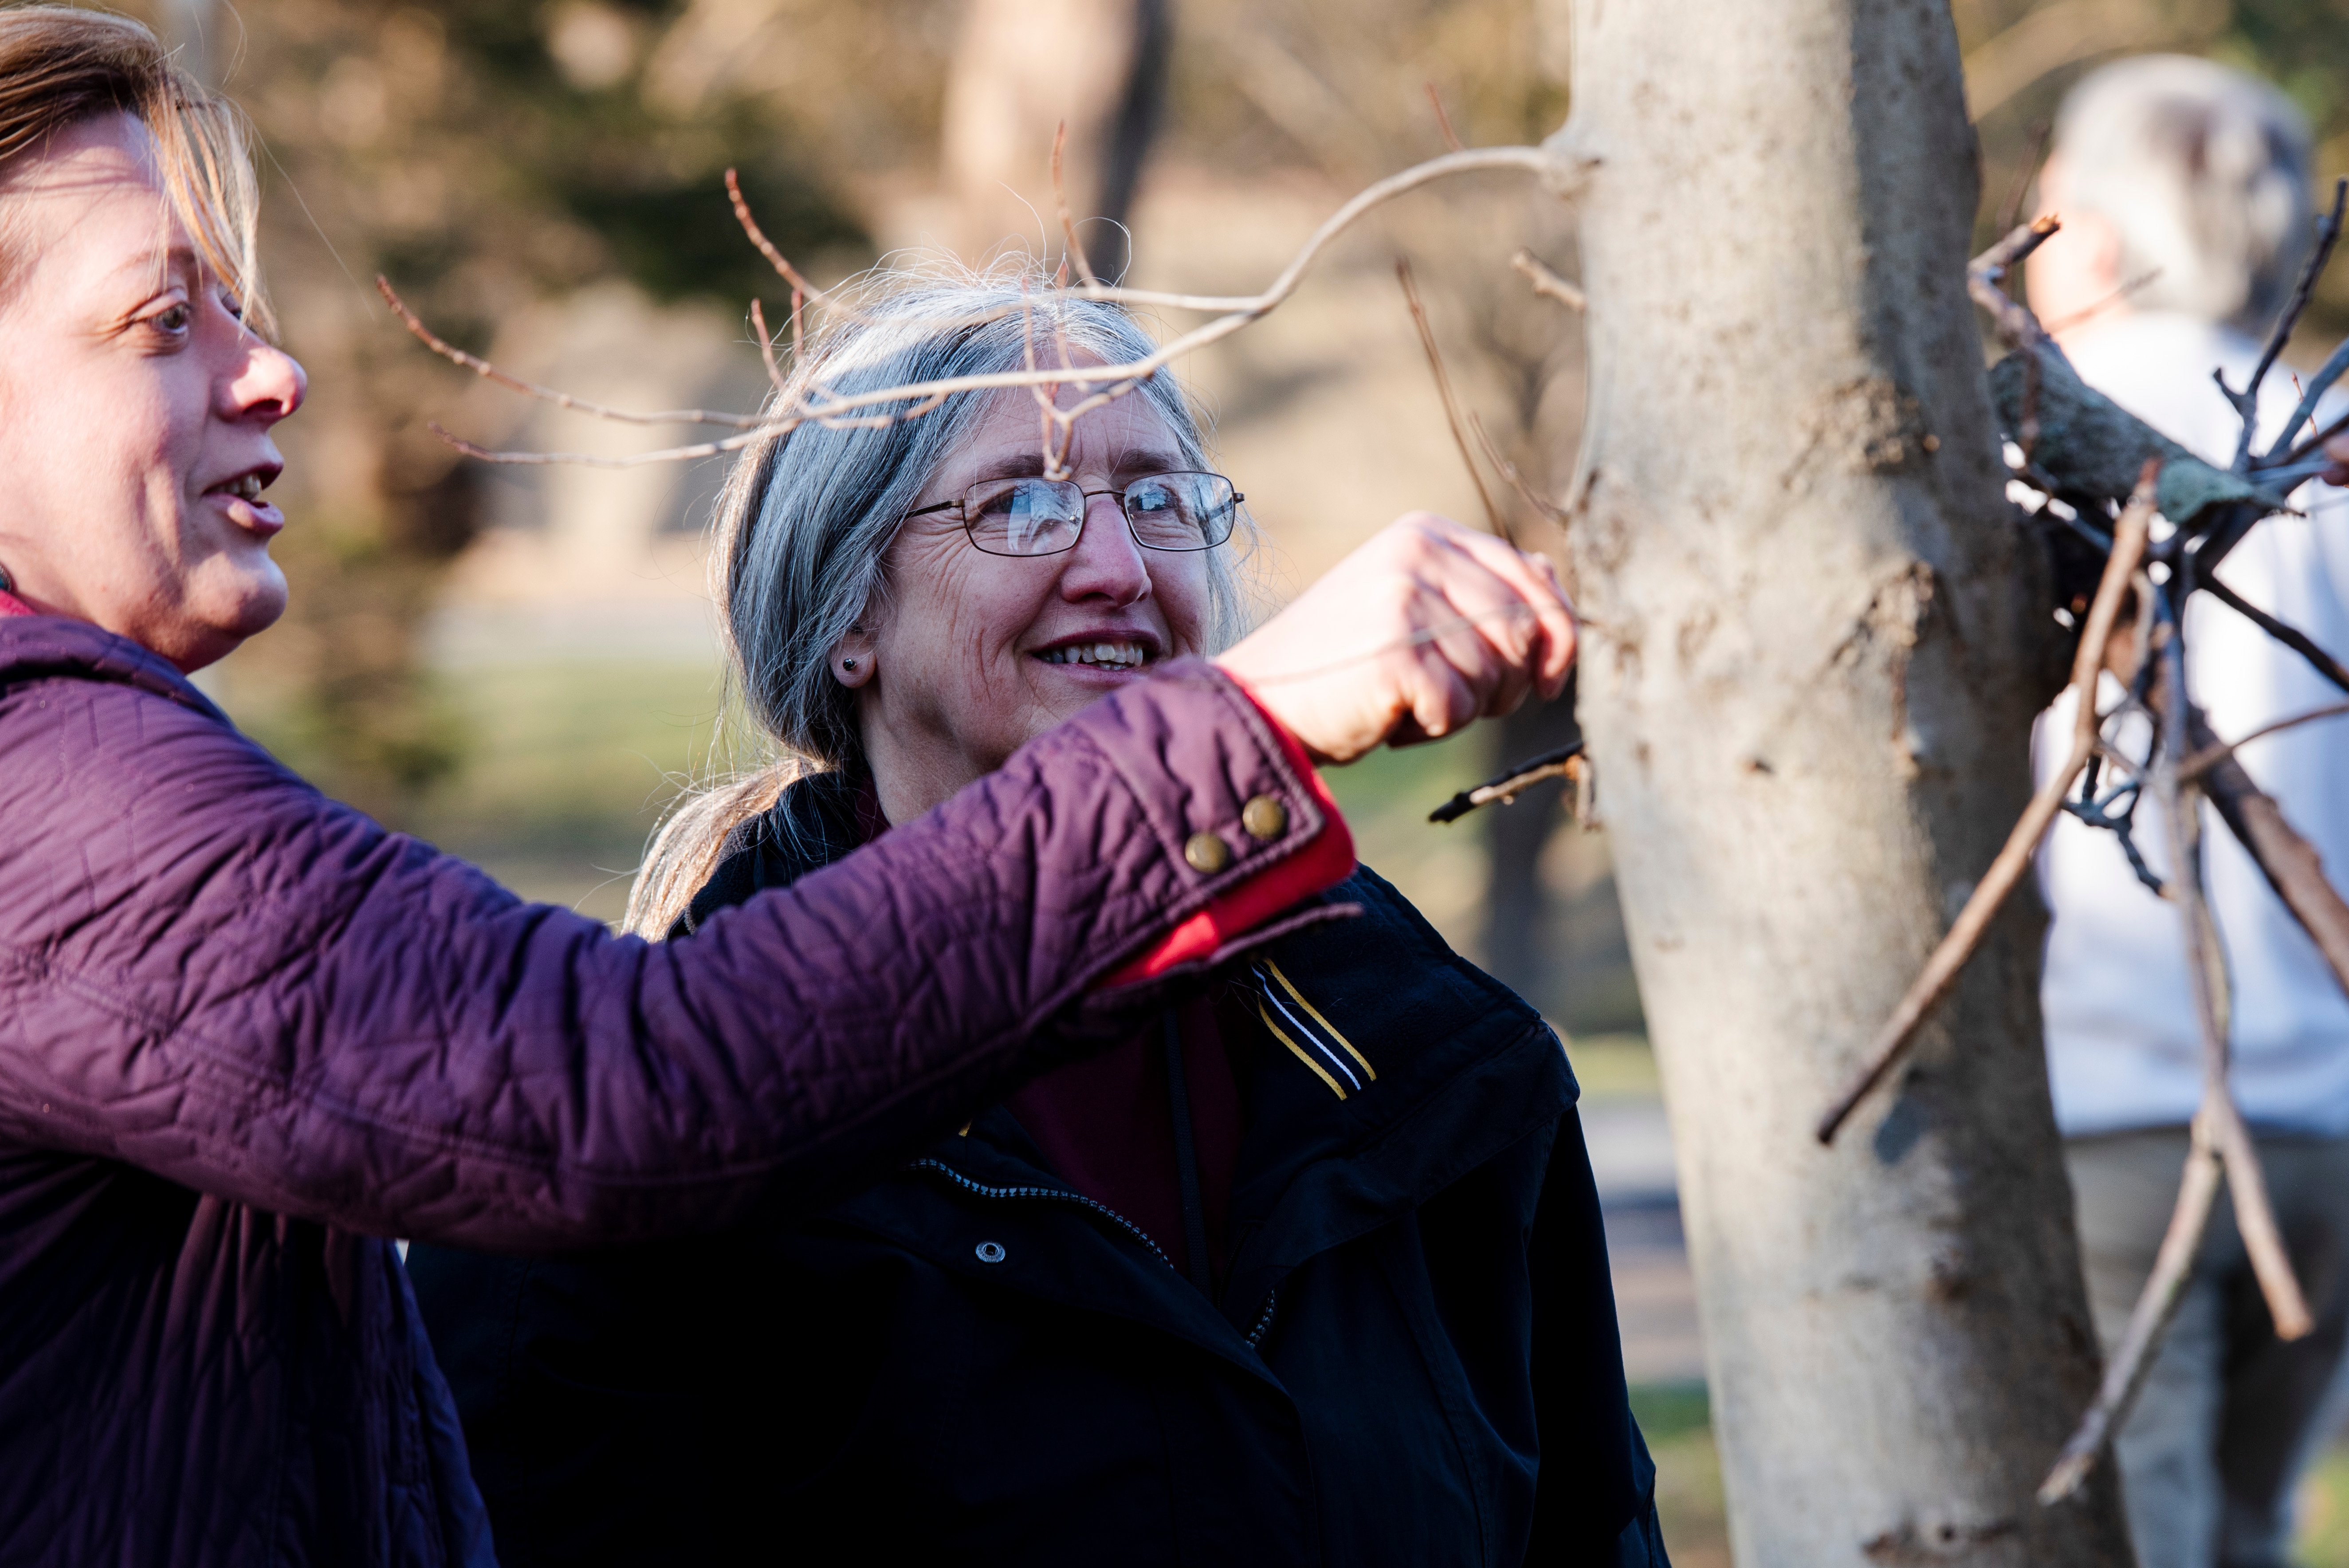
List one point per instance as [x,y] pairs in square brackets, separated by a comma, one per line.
[1809,683]
[1022,68]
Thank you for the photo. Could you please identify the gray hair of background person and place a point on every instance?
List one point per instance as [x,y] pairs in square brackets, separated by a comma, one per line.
[2203,170]
[805,522]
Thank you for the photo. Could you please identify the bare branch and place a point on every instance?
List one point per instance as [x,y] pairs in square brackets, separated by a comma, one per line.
[767,344]
[1566,762]
[1942,969]
[1451,403]
[2209,757]
[1443,121]
[1988,270]
[633,460]
[487,371]
[839,409]
[2206,967]
[1546,281]
[1541,505]
[2133,1357]
[775,259]
[2089,312]
[2247,401]
[1068,223]
[2291,636]
[2035,154]
[2290,862]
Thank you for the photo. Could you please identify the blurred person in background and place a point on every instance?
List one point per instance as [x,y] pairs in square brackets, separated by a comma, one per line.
[247,1036]
[2183,188]
[1309,1270]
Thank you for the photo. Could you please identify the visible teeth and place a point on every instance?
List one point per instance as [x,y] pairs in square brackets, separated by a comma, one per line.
[247,487]
[1117,655]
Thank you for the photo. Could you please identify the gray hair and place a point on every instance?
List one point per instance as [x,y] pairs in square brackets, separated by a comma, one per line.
[806,518]
[2203,170]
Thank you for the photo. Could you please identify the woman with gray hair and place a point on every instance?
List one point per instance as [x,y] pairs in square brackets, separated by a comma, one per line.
[1309,1270]
[2183,189]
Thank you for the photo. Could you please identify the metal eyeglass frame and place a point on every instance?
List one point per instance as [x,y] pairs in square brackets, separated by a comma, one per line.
[1084,512]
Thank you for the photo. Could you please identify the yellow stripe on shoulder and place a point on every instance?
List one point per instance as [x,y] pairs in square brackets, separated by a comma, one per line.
[1299,1051]
[1315,1013]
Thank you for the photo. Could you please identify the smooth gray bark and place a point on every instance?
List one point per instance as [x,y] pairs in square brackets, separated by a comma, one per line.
[1813,661]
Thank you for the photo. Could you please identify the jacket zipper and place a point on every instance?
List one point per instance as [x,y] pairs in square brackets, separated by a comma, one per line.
[1056,1195]
[1053,1194]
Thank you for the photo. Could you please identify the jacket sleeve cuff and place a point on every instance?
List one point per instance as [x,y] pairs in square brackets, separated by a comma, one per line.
[1323,861]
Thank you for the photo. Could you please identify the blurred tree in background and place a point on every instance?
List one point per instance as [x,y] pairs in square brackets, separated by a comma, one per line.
[485,156]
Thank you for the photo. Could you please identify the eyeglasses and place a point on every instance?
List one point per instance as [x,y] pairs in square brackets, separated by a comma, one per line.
[1047,517]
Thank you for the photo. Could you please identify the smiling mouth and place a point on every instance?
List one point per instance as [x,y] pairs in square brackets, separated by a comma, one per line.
[244,487]
[1100,655]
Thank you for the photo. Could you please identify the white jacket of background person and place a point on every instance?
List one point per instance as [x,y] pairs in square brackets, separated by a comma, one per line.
[2124,1048]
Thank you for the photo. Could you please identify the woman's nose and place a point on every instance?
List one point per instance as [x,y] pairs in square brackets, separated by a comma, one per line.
[268,385]
[1106,563]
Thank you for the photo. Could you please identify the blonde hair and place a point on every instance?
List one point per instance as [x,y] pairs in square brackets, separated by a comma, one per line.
[806,519]
[61,65]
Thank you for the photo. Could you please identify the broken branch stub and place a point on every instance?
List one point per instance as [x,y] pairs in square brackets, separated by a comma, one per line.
[2093,447]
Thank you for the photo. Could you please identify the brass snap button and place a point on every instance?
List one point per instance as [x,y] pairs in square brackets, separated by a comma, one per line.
[990,1252]
[1206,852]
[1264,817]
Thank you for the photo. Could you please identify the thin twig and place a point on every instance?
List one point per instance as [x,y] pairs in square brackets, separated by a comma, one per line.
[2209,757]
[767,346]
[1451,403]
[1508,471]
[2247,401]
[928,395]
[487,371]
[1069,223]
[1988,270]
[2089,312]
[2291,636]
[775,258]
[2164,1289]
[1942,969]
[633,460]
[2207,969]
[2289,863]
[1443,121]
[2035,154]
[1565,762]
[1546,281]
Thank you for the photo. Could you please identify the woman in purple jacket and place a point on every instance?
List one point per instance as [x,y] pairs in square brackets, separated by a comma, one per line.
[246,1035]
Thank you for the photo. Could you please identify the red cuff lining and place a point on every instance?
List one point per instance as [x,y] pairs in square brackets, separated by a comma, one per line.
[1327,859]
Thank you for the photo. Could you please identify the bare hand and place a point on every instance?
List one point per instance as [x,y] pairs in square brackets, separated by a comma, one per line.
[1427,627]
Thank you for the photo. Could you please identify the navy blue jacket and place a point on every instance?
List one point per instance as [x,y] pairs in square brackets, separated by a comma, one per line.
[1414,1359]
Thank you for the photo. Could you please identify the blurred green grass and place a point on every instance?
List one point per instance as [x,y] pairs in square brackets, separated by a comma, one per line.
[1676,1419]
[567,767]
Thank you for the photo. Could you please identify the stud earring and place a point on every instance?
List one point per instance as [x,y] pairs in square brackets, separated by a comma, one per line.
[848,664]
[7,583]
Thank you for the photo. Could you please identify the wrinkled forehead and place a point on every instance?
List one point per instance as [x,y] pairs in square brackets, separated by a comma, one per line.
[92,194]
[1125,435]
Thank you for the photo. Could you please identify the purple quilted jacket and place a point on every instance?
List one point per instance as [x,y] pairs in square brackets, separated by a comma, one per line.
[246,1035]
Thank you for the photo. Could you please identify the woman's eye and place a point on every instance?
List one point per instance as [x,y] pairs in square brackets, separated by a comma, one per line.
[173,320]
